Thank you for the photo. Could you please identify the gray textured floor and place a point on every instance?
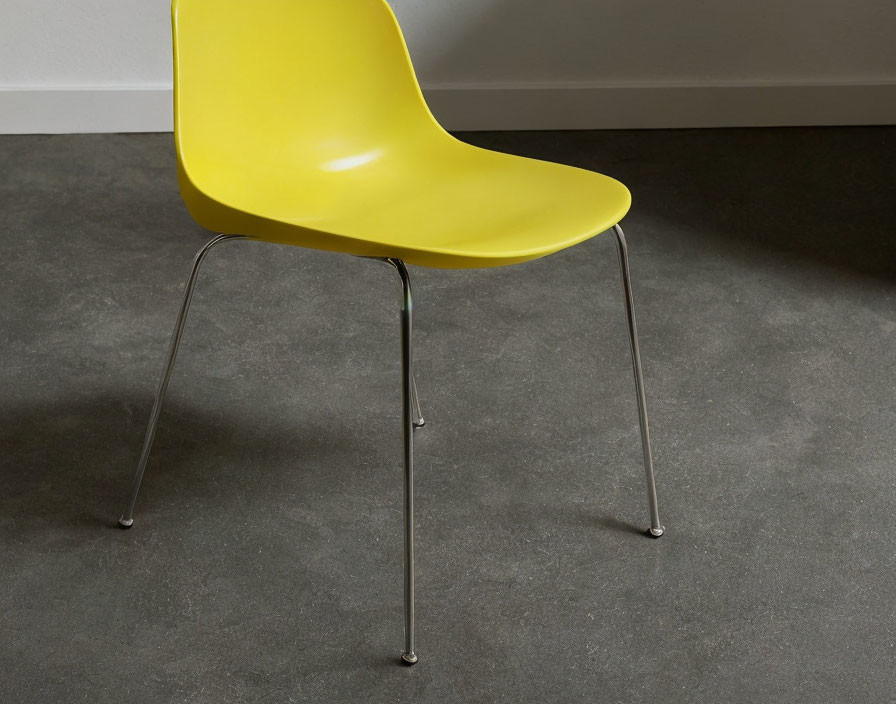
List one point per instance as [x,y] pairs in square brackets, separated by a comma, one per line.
[265,563]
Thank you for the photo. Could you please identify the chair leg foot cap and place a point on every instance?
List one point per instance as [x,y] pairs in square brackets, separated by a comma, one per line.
[656,532]
[419,423]
[125,523]
[408,658]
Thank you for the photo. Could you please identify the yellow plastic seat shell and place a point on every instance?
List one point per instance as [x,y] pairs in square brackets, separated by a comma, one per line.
[301,122]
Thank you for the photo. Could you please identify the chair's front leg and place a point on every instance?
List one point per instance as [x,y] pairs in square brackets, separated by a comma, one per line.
[127,518]
[656,528]
[407,429]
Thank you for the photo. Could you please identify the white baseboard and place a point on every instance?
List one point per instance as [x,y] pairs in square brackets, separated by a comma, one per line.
[577,106]
[88,109]
[503,106]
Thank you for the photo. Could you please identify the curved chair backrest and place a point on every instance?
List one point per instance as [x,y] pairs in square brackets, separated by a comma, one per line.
[307,81]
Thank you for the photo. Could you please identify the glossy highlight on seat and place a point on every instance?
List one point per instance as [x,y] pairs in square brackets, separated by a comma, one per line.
[302,122]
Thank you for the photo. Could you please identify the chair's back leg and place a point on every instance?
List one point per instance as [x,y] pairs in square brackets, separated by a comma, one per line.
[127,518]
[656,528]
[418,414]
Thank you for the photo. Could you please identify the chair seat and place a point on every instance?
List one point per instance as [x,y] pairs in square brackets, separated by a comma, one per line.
[442,204]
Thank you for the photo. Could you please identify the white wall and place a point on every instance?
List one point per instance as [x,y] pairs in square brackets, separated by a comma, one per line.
[84,65]
[84,43]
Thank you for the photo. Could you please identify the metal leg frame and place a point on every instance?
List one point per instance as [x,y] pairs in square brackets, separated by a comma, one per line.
[656,528]
[411,416]
[127,518]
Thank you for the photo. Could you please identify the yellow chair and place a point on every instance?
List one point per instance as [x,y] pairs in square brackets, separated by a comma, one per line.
[301,122]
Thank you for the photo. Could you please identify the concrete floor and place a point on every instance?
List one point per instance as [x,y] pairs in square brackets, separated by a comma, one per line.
[265,562]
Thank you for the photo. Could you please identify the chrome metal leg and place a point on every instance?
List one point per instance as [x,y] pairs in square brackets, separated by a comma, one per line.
[127,518]
[656,528]
[407,427]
